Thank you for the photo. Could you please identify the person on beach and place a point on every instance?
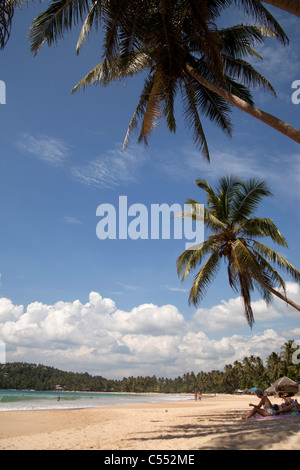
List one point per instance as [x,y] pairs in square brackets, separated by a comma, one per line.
[268,409]
[290,405]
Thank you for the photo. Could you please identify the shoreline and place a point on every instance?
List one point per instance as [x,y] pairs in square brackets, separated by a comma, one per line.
[213,424]
[35,400]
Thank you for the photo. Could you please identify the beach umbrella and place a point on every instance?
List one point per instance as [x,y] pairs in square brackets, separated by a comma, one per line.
[285,384]
[284,381]
[270,389]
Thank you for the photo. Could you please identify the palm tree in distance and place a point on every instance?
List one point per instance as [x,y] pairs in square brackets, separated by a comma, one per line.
[275,366]
[178,43]
[250,263]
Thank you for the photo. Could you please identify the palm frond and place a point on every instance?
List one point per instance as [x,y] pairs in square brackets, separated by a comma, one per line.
[204,278]
[202,32]
[51,25]
[212,198]
[238,41]
[269,275]
[245,263]
[227,191]
[212,106]
[244,258]
[168,104]
[238,89]
[246,286]
[141,108]
[190,259]
[262,227]
[153,111]
[103,73]
[246,74]
[257,10]
[192,117]
[248,197]
[93,17]
[277,259]
[114,13]
[209,219]
[110,70]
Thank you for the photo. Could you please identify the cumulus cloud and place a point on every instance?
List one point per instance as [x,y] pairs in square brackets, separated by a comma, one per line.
[230,314]
[98,337]
[293,293]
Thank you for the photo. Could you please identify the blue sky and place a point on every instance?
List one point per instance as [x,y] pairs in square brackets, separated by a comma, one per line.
[117,307]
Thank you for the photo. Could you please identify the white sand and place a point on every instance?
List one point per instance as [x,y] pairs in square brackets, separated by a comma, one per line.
[212,424]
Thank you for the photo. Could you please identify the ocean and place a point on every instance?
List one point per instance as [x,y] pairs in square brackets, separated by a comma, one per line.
[19,400]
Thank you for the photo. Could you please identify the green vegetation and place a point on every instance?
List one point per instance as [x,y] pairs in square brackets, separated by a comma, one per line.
[247,373]
[234,238]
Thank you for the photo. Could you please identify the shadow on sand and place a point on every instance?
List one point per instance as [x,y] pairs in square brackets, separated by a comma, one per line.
[227,431]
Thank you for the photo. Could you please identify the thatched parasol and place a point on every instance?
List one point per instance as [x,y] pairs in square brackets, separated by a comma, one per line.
[285,385]
[270,389]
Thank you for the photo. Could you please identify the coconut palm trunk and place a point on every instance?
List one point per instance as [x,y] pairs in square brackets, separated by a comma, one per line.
[291,6]
[276,293]
[267,118]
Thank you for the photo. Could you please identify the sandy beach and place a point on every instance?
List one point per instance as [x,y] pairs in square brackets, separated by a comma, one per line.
[214,423]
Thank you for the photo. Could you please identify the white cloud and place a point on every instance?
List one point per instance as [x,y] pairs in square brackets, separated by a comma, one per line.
[186,162]
[150,339]
[46,148]
[293,293]
[150,319]
[230,314]
[176,289]
[72,220]
[111,169]
[242,163]
[279,63]
[245,163]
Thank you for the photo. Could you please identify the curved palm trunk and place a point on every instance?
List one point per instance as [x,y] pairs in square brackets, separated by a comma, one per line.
[275,292]
[291,6]
[268,119]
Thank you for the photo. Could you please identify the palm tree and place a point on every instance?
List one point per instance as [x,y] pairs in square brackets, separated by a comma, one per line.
[287,351]
[158,96]
[229,217]
[275,366]
[183,50]
[6,15]
[291,6]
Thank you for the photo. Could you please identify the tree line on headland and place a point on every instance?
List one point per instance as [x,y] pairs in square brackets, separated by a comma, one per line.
[245,374]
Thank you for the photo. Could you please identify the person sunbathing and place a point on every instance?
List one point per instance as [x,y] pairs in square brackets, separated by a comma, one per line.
[268,409]
[290,405]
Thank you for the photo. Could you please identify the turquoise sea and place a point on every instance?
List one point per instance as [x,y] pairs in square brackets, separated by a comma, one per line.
[16,400]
